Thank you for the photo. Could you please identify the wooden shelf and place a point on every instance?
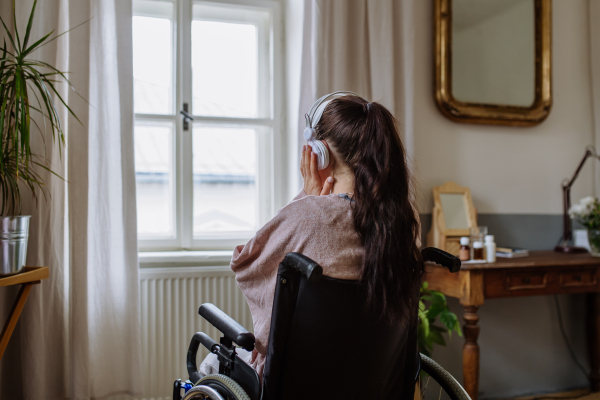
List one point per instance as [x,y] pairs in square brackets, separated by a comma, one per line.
[31,274]
[29,277]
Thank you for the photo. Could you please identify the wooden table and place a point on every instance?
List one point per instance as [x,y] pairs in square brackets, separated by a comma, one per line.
[31,276]
[542,273]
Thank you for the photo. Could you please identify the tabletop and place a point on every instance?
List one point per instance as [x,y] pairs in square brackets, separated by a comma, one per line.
[547,258]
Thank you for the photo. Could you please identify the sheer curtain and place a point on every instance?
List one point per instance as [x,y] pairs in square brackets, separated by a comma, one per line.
[79,334]
[365,46]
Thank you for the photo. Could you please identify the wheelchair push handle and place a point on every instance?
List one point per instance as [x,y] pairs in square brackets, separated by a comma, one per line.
[228,326]
[304,265]
[441,257]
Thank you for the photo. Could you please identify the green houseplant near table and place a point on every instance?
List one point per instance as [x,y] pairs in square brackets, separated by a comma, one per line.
[28,101]
[432,305]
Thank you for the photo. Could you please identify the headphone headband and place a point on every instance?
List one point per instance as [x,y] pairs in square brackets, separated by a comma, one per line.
[316,111]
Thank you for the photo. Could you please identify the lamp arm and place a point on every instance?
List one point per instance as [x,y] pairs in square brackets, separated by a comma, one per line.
[566,186]
[589,152]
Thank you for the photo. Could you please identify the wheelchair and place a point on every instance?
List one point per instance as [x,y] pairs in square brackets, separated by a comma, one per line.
[323,344]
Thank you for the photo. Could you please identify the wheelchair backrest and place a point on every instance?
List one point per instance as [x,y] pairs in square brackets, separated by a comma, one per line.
[324,344]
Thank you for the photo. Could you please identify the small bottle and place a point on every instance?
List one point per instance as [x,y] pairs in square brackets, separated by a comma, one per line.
[478,251]
[465,252]
[490,246]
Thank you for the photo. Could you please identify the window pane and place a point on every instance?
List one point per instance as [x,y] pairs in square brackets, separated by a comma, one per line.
[152,65]
[225,195]
[154,179]
[224,65]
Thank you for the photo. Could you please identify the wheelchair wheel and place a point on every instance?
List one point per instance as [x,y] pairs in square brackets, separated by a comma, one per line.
[225,388]
[444,379]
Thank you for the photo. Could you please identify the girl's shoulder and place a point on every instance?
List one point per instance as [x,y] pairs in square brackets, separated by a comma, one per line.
[315,205]
[308,212]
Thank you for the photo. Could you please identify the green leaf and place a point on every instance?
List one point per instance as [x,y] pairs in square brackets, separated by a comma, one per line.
[424,324]
[35,45]
[449,320]
[16,28]
[435,336]
[9,35]
[28,30]
[435,310]
[67,31]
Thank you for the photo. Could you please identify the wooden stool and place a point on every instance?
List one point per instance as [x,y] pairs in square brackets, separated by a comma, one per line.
[31,276]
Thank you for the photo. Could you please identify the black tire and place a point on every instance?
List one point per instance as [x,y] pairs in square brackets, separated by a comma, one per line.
[224,385]
[444,379]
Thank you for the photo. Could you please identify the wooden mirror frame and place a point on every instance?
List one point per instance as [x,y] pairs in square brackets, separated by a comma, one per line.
[448,239]
[493,114]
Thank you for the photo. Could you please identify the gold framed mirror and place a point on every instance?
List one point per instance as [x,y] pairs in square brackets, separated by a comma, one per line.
[493,61]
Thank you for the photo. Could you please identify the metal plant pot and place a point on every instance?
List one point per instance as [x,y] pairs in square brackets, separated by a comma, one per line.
[14,232]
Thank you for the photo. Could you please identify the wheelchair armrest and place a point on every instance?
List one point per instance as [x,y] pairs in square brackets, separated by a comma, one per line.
[441,257]
[228,326]
[305,265]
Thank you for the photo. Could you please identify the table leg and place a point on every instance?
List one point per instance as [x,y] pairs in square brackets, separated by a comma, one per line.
[471,352]
[593,331]
[15,313]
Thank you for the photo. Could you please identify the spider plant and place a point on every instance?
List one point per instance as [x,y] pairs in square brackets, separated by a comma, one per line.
[26,86]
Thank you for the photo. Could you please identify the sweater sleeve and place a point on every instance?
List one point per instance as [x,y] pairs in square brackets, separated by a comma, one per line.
[255,265]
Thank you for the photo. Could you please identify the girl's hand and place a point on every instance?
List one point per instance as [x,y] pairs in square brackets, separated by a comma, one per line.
[310,172]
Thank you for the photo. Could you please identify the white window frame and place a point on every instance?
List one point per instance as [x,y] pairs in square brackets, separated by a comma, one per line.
[271,168]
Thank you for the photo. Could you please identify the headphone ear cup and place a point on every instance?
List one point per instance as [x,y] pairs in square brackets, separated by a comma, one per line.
[309,133]
[322,152]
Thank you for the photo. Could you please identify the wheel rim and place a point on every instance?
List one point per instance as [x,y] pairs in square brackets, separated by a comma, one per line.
[205,391]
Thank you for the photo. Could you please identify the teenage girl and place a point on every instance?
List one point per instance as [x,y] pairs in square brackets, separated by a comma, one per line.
[354,217]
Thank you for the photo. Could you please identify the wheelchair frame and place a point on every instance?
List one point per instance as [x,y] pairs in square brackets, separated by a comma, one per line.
[246,378]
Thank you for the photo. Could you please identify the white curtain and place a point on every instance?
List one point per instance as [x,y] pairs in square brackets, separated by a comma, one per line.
[595,70]
[79,334]
[365,46]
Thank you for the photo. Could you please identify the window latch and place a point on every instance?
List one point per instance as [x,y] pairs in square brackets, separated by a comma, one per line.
[186,117]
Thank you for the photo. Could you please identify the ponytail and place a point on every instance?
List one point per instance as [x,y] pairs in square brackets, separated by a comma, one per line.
[365,136]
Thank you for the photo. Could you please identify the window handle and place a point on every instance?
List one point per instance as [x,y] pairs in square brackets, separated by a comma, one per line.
[186,117]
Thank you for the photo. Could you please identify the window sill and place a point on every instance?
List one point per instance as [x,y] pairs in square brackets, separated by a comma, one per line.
[183,258]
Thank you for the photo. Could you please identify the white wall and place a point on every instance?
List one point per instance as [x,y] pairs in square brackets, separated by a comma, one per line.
[510,169]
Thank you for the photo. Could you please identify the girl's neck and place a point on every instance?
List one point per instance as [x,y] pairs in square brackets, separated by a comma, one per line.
[344,183]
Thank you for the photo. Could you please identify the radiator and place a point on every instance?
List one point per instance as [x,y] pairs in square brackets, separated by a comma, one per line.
[170,298]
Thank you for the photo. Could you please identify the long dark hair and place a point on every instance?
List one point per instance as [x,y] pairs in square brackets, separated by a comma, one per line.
[365,136]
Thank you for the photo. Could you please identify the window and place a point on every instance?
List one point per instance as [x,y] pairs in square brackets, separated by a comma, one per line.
[205,183]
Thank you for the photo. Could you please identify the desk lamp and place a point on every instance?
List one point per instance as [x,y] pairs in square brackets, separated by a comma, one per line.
[565,245]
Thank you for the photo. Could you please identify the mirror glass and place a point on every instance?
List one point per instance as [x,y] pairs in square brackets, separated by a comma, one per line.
[454,208]
[493,51]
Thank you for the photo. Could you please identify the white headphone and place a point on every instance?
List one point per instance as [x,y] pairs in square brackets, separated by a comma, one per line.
[312,119]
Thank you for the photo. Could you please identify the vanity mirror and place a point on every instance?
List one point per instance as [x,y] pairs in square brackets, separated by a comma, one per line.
[493,60]
[452,217]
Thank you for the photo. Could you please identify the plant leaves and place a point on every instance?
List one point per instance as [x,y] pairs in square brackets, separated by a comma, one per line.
[20,79]
[28,30]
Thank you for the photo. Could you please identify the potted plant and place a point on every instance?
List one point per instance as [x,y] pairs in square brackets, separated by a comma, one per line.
[432,304]
[587,213]
[28,100]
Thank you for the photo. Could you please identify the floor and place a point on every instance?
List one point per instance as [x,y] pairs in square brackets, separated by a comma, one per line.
[576,394]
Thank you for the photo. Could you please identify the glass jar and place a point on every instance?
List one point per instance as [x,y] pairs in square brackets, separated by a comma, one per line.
[477,234]
[594,239]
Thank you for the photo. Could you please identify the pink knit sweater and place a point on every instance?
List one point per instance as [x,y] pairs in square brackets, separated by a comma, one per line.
[320,227]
